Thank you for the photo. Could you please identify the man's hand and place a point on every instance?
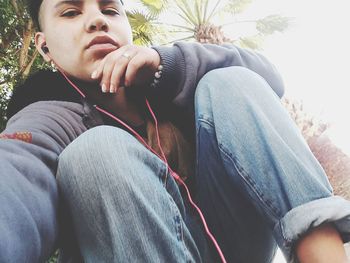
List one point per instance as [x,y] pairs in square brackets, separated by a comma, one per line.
[127,66]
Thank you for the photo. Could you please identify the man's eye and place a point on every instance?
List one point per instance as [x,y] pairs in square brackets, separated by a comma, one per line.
[111,12]
[71,13]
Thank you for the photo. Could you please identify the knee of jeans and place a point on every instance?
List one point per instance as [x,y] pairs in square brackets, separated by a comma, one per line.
[230,82]
[94,156]
[227,86]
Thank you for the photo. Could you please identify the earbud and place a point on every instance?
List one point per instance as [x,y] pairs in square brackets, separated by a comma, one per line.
[45,49]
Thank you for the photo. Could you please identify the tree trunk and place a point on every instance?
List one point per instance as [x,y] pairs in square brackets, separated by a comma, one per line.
[209,33]
[30,64]
[24,52]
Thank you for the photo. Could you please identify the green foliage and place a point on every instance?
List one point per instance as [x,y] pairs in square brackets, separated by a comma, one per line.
[272,23]
[237,6]
[53,258]
[265,26]
[142,27]
[10,23]
[252,42]
[16,43]
[4,97]
[155,7]
[17,52]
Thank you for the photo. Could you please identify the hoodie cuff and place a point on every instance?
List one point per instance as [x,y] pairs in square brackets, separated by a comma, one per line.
[173,72]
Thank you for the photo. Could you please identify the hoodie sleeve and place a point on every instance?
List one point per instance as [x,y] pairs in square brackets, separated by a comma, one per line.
[184,64]
[29,149]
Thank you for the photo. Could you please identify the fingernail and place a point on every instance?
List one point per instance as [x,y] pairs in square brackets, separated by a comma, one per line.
[93,75]
[104,88]
[111,88]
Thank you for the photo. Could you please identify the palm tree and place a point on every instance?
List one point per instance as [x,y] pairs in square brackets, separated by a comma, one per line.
[143,21]
[194,20]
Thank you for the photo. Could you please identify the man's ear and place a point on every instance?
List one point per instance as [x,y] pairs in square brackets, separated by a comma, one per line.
[40,43]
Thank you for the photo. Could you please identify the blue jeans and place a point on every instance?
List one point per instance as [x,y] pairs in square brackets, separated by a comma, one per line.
[257,183]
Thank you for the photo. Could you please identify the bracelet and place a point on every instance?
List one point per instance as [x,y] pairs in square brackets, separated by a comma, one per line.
[157,76]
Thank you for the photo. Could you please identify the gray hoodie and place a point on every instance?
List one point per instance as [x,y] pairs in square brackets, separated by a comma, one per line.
[41,128]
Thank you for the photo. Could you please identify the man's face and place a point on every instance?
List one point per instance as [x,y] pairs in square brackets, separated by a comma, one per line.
[69,27]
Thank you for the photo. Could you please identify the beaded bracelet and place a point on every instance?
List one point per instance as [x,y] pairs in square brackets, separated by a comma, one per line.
[157,76]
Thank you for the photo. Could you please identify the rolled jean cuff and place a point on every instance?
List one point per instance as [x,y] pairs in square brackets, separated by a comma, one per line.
[299,220]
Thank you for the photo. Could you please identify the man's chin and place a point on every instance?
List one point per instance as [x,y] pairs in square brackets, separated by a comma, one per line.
[84,78]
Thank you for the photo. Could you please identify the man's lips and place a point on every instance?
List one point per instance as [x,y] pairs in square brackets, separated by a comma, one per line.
[102,43]
[103,46]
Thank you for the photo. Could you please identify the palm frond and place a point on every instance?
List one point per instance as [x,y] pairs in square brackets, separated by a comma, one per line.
[272,23]
[253,42]
[236,6]
[206,5]
[197,7]
[214,10]
[155,7]
[142,26]
[141,38]
[186,19]
[188,29]
[186,10]
[139,18]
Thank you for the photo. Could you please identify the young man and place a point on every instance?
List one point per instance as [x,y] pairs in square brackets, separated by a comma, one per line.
[256,181]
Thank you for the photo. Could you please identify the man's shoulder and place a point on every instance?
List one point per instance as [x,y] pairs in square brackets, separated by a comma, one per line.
[43,85]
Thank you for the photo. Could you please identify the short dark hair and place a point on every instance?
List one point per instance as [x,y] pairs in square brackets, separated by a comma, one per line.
[34,7]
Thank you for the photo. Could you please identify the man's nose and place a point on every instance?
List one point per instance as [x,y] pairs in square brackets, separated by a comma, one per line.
[97,23]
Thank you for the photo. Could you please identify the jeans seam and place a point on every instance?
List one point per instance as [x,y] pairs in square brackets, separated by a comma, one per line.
[163,173]
[179,228]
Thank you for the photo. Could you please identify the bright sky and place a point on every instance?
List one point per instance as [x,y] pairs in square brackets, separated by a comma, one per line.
[314,57]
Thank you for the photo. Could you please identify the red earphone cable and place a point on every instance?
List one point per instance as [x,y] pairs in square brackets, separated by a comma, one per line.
[174,174]
[179,179]
[163,157]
